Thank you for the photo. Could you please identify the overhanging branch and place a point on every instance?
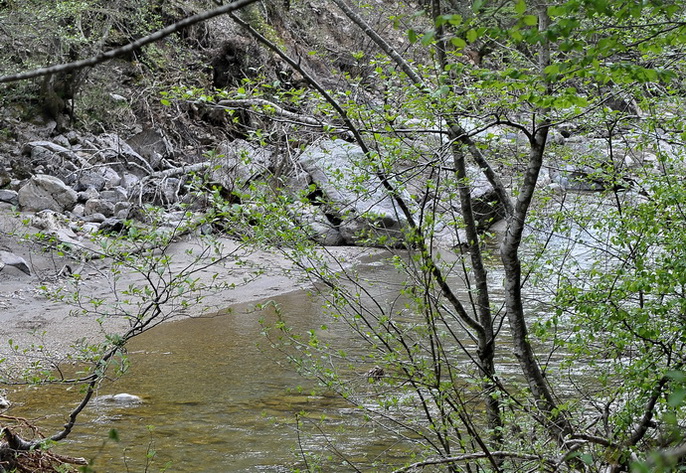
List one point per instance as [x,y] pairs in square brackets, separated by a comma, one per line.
[134,45]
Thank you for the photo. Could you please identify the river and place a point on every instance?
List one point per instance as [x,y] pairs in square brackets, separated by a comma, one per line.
[217,397]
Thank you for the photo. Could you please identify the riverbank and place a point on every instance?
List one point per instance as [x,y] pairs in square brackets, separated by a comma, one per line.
[39,326]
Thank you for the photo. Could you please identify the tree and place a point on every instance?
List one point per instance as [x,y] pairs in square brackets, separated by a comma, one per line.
[567,65]
[531,71]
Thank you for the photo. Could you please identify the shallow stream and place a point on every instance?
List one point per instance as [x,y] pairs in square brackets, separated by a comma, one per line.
[216,400]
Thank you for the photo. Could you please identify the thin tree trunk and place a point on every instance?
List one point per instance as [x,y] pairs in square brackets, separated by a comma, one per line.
[556,423]
[485,339]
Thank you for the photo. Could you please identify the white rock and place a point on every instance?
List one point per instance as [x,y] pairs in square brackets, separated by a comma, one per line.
[120,399]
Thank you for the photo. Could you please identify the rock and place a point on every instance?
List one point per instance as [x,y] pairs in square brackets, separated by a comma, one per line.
[95,217]
[118,98]
[351,194]
[9,196]
[114,148]
[98,206]
[587,179]
[48,145]
[121,210]
[129,181]
[89,193]
[72,137]
[485,205]
[58,159]
[239,163]
[61,140]
[79,210]
[319,227]
[121,399]
[5,178]
[90,180]
[10,259]
[4,403]
[52,222]
[151,144]
[112,225]
[111,177]
[114,195]
[170,189]
[46,192]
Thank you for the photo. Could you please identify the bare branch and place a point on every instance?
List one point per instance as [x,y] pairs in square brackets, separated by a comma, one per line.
[648,414]
[134,45]
[467,457]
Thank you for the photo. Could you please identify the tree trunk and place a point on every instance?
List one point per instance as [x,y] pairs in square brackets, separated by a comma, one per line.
[485,338]
[556,422]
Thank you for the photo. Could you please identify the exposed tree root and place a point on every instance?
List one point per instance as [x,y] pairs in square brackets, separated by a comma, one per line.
[29,456]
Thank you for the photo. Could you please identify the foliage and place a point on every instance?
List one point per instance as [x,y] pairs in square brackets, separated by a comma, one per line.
[572,67]
[472,356]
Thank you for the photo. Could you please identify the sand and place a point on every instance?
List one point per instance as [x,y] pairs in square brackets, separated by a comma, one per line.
[40,325]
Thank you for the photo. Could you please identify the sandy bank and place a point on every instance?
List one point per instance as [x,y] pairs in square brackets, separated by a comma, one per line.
[30,316]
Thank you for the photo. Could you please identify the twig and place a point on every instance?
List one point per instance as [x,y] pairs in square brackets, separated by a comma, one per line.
[469,456]
[132,46]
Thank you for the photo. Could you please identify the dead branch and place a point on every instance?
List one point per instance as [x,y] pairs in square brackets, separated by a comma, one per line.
[132,46]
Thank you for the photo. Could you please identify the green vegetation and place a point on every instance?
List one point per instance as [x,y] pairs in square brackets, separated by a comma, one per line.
[555,344]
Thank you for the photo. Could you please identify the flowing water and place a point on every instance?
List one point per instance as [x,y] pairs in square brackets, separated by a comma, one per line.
[216,400]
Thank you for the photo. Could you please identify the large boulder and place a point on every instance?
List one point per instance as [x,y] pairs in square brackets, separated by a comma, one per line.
[351,193]
[43,192]
[152,144]
[239,163]
[317,224]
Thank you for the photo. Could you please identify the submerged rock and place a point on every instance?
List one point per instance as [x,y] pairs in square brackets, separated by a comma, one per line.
[121,399]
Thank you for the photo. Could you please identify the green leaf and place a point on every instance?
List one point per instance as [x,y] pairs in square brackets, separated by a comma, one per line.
[454,20]
[428,37]
[459,43]
[113,435]
[530,20]
[552,69]
[412,36]
[520,7]
[679,376]
[165,102]
[472,35]
[676,398]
